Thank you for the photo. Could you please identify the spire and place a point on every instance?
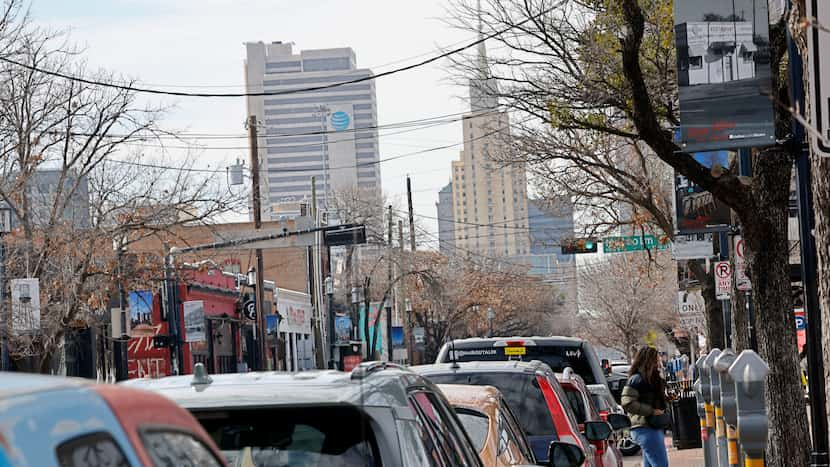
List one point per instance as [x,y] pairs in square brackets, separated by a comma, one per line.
[482,85]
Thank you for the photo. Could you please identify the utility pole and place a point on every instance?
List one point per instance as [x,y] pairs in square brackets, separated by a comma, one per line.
[388,303]
[261,359]
[172,306]
[411,214]
[121,357]
[315,279]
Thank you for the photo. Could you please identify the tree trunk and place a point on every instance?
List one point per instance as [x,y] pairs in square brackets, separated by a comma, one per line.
[765,231]
[740,322]
[821,208]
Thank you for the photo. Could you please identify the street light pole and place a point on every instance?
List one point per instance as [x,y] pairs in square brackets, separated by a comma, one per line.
[329,287]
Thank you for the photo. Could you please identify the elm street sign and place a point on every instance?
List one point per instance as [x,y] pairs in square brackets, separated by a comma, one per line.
[633,243]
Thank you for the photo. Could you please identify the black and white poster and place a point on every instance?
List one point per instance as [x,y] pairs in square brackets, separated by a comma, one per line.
[724,74]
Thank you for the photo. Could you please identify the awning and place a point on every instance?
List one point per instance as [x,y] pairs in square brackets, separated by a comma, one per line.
[748,47]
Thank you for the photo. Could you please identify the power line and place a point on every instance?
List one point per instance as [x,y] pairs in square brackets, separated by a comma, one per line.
[138,89]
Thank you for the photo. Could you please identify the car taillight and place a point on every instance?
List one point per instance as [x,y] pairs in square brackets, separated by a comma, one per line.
[515,343]
[603,414]
[554,407]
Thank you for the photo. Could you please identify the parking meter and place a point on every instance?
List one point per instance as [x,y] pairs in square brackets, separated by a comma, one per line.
[708,421]
[749,372]
[727,401]
[698,385]
[716,412]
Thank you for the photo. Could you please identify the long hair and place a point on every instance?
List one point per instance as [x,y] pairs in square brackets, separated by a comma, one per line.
[647,364]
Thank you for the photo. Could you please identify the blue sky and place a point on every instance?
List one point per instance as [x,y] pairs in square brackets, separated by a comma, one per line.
[198,44]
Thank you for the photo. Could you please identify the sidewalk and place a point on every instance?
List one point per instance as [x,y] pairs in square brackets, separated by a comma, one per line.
[677,458]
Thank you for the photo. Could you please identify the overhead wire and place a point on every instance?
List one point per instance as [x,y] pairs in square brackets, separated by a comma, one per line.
[153,91]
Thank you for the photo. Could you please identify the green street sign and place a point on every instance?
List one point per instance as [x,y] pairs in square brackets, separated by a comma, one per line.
[633,243]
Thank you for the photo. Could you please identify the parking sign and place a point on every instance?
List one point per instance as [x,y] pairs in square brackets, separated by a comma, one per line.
[723,280]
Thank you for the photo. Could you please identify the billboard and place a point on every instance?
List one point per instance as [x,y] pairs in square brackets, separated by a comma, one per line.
[723,74]
[25,305]
[141,312]
[194,321]
[342,328]
[696,210]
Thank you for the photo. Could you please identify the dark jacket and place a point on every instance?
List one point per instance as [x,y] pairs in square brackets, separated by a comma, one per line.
[640,399]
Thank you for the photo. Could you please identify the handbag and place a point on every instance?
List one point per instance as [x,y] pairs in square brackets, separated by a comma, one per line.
[661,421]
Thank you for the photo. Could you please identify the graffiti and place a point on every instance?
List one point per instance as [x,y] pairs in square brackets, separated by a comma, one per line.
[143,343]
[148,368]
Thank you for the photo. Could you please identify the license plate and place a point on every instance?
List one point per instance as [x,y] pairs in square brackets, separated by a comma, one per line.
[515,350]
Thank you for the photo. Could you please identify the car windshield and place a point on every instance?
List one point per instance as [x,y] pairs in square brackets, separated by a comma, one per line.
[271,437]
[476,424]
[520,390]
[557,357]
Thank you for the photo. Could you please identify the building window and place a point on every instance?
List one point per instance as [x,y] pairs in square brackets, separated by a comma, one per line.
[696,63]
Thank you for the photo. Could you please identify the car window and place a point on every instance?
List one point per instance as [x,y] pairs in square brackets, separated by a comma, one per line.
[557,357]
[177,448]
[600,402]
[445,428]
[522,392]
[416,444]
[93,450]
[512,425]
[576,403]
[476,424]
[320,435]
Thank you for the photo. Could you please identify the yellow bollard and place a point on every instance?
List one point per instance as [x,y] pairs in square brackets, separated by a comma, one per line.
[732,439]
[754,462]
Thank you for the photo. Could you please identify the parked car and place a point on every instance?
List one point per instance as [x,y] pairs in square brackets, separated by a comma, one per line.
[52,421]
[608,405]
[535,396]
[490,424]
[585,410]
[557,352]
[379,414]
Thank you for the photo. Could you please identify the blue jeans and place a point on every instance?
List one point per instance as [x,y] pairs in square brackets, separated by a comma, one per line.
[653,443]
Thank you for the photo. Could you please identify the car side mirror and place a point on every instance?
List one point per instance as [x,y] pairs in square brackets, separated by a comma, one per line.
[597,431]
[561,454]
[618,421]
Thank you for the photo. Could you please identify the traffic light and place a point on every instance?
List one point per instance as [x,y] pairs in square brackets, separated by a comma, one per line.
[573,246]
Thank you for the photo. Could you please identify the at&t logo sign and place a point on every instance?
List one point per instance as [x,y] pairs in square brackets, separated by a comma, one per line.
[340,120]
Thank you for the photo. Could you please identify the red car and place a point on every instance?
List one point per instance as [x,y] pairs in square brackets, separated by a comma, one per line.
[534,395]
[582,404]
[53,421]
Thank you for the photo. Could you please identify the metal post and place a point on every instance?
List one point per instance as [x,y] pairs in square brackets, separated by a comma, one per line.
[820,455]
[389,275]
[121,353]
[745,168]
[329,286]
[726,305]
[172,307]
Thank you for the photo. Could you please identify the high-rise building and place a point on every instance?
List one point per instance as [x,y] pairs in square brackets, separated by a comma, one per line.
[329,133]
[446,224]
[489,199]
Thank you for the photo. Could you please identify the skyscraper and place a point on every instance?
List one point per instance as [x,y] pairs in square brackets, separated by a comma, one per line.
[489,200]
[328,133]
[446,227]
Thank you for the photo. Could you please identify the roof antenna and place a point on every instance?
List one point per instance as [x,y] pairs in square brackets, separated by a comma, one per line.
[454,364]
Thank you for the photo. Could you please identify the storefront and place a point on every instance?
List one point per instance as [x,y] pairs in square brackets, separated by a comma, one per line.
[295,332]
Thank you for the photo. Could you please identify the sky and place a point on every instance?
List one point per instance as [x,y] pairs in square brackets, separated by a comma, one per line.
[198,45]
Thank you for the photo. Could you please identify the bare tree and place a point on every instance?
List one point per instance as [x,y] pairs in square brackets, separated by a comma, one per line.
[76,187]
[608,68]
[627,296]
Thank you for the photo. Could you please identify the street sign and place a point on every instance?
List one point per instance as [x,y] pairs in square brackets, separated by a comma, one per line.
[690,302]
[633,243]
[742,281]
[692,322]
[249,310]
[693,246]
[723,280]
[818,49]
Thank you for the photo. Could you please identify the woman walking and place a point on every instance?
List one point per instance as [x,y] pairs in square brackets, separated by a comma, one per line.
[644,399]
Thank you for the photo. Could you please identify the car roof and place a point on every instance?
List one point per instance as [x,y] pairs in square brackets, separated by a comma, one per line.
[12,383]
[507,366]
[482,398]
[382,387]
[543,340]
